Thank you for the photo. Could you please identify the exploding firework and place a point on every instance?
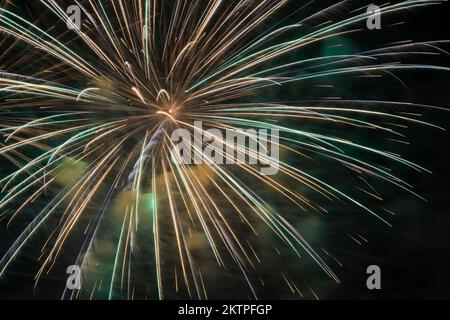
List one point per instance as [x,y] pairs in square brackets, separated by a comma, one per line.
[86,120]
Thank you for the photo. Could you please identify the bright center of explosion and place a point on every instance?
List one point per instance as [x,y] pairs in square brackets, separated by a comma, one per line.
[170,113]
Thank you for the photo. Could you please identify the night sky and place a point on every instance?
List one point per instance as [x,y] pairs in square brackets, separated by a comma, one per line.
[413,254]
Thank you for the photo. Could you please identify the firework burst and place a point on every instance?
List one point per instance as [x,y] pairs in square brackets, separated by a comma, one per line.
[87,114]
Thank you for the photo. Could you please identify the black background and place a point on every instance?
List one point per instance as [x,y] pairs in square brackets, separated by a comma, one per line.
[414,254]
